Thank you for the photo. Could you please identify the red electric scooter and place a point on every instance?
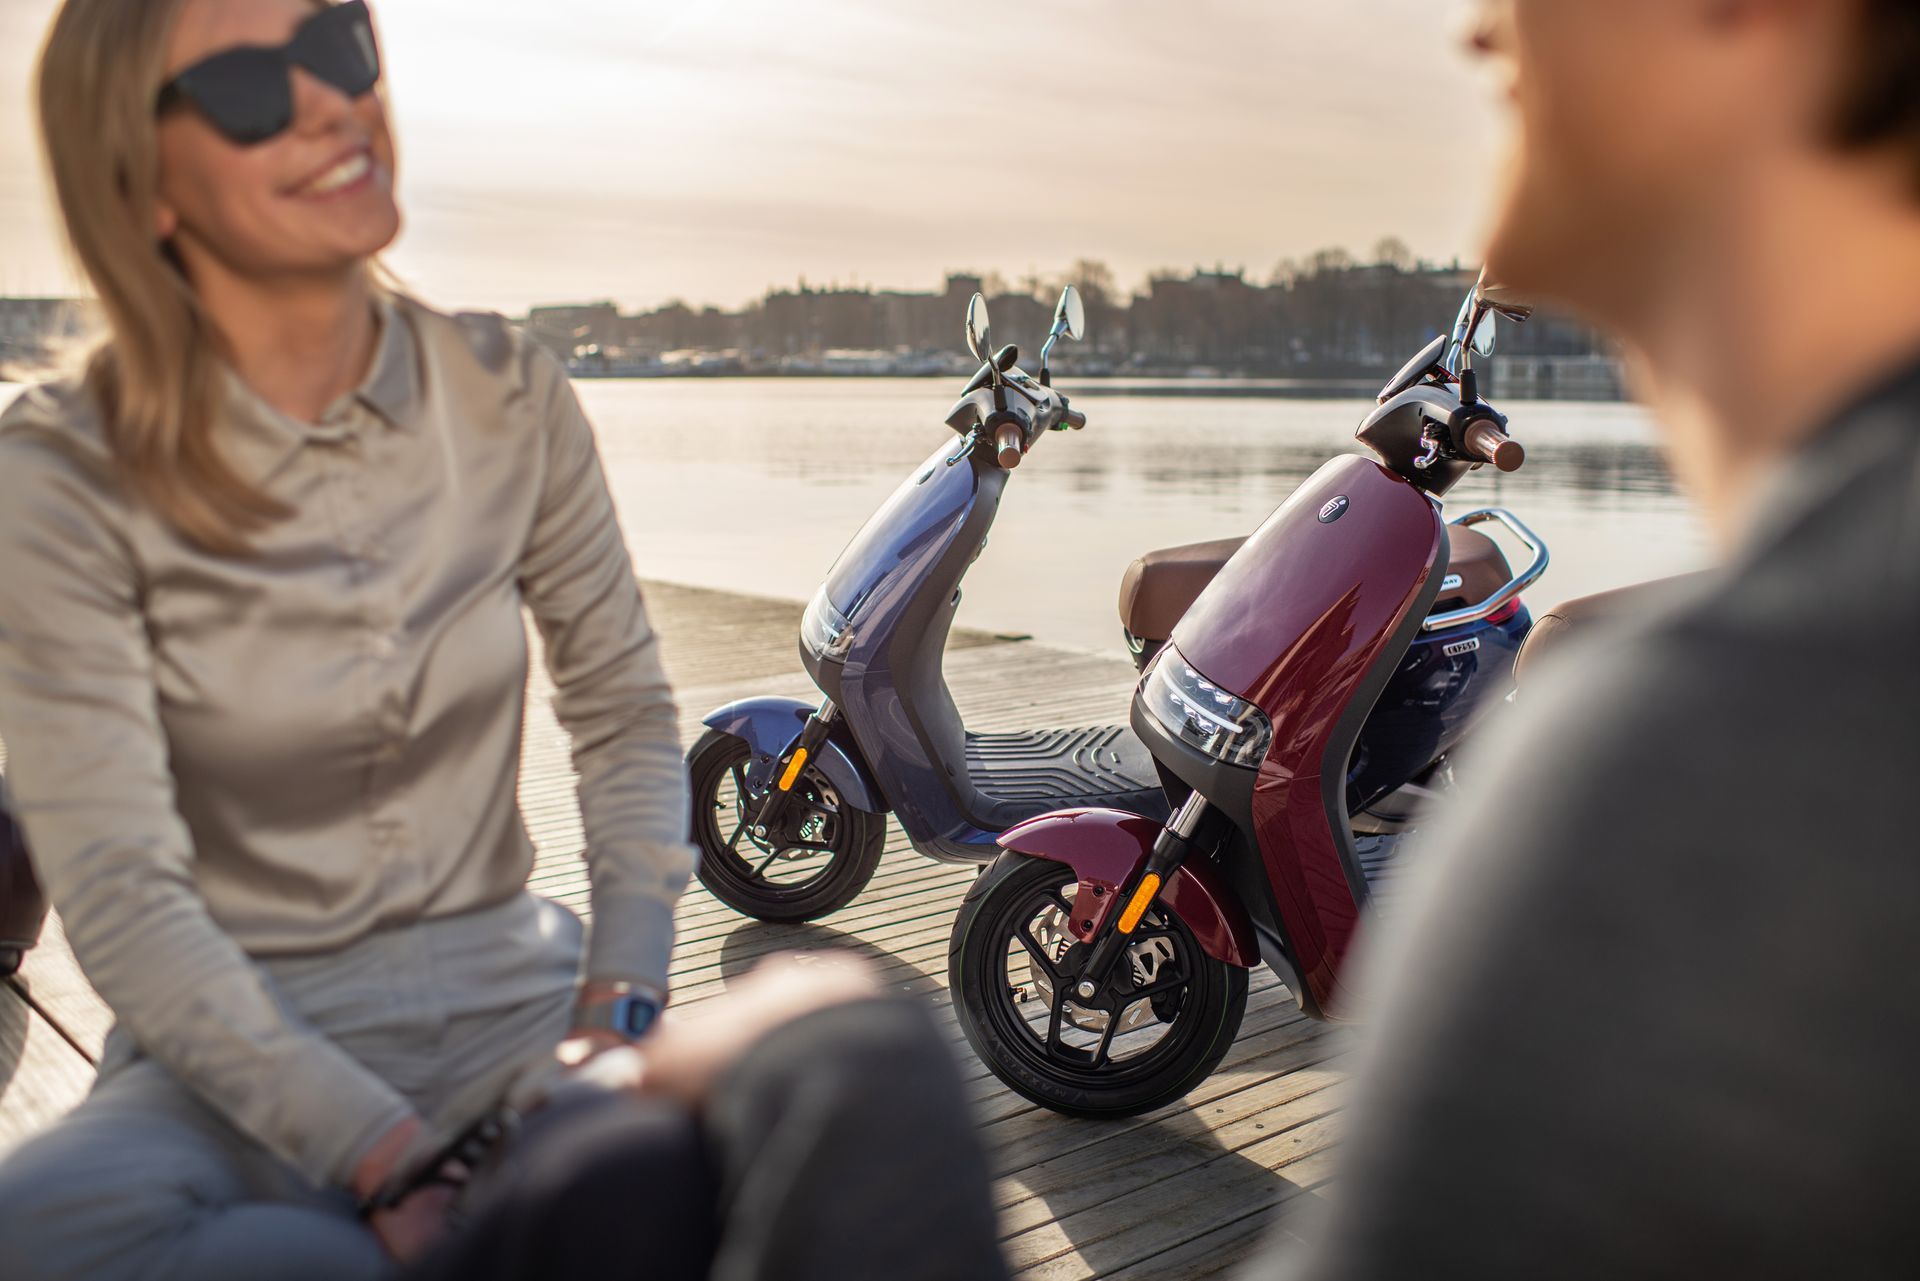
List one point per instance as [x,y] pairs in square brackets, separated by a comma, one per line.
[1300,716]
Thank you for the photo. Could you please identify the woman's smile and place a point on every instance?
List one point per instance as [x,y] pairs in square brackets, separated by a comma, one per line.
[345,175]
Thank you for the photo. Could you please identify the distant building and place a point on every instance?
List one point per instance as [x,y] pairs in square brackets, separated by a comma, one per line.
[1334,319]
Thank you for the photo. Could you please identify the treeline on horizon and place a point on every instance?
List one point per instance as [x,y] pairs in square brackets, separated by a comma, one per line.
[1327,316]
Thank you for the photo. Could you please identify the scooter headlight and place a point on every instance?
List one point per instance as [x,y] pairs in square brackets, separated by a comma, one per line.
[1195,710]
[825,631]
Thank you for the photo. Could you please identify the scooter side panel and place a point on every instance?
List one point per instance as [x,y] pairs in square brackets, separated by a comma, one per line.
[769,725]
[1105,849]
[899,584]
[1299,623]
[1444,686]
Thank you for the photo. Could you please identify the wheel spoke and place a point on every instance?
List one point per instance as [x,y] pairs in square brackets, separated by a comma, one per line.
[1155,989]
[733,842]
[1039,954]
[1106,1039]
[1054,1044]
[760,872]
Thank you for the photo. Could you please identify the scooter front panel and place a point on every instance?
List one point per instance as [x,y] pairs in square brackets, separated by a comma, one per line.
[918,521]
[1308,623]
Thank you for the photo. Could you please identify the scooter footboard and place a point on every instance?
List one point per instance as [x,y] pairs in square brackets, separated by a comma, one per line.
[770,725]
[1106,849]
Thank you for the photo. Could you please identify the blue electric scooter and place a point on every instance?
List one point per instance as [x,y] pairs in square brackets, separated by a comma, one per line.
[790,800]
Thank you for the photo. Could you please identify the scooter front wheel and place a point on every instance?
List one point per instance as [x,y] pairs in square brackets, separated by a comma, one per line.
[1167,1016]
[822,858]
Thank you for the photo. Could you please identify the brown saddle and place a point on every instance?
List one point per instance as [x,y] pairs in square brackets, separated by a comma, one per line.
[1158,588]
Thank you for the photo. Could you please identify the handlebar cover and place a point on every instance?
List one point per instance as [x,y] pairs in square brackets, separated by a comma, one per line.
[1009,445]
[1486,441]
[1073,418]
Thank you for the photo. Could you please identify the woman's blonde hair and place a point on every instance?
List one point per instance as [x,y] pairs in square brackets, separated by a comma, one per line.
[156,374]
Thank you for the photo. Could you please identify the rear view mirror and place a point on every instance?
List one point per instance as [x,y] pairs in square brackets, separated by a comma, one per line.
[1070,317]
[979,329]
[1486,333]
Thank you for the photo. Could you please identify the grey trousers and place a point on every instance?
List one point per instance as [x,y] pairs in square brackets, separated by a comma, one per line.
[144,1182]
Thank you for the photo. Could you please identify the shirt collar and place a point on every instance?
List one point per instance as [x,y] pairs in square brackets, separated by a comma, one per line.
[1874,427]
[259,439]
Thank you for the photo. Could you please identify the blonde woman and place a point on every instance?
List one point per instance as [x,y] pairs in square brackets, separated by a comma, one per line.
[262,662]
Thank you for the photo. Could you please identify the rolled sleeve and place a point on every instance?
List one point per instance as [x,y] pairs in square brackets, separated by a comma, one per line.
[90,777]
[611,693]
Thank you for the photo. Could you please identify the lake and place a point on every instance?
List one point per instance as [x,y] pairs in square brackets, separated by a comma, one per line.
[755,485]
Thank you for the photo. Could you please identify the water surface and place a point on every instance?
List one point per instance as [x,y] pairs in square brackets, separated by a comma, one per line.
[755,485]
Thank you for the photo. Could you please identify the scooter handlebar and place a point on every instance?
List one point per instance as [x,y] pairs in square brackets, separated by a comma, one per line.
[1007,445]
[1073,418]
[1486,441]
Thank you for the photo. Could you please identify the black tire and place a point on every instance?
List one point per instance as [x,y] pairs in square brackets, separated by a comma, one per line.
[833,866]
[1199,1007]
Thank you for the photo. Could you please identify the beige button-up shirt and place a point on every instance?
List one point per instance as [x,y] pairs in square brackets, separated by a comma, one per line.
[218,758]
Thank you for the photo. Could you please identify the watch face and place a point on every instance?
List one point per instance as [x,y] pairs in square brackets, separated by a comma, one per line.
[634,1015]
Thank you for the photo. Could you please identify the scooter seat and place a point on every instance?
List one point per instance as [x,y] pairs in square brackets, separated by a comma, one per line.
[1159,588]
[1584,614]
[1478,563]
[1021,776]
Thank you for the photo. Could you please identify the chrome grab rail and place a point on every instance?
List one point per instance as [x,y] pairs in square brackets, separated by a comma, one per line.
[1520,582]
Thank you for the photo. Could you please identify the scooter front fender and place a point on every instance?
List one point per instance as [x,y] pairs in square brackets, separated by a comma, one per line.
[1106,848]
[769,725]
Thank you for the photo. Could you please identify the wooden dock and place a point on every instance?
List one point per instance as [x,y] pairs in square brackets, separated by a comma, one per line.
[1185,1192]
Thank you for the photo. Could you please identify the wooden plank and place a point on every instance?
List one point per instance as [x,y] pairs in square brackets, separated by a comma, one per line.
[1157,1219]
[52,980]
[41,1076]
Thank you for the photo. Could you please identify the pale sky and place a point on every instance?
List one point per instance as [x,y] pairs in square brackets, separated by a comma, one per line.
[560,150]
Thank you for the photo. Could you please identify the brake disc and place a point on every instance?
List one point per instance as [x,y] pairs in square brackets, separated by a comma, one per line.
[1145,961]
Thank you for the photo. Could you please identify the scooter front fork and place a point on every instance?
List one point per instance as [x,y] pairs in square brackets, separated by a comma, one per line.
[790,766]
[1170,850]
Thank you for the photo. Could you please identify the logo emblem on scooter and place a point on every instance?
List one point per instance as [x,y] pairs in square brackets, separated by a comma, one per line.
[1334,510]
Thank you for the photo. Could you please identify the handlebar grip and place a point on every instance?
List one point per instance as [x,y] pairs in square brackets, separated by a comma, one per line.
[1074,419]
[1007,445]
[1484,440]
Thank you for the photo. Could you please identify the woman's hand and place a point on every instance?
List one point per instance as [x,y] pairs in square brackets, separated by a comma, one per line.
[416,1225]
[409,1229]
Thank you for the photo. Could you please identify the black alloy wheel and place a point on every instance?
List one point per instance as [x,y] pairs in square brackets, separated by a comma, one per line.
[1166,1017]
[822,856]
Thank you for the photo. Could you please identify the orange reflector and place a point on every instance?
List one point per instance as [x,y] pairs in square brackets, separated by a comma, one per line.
[1142,900]
[794,766]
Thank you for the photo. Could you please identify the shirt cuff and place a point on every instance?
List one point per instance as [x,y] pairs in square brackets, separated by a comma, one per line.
[631,939]
[333,1154]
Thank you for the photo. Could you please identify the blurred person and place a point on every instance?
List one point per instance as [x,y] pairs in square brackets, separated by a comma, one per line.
[262,673]
[1653,1011]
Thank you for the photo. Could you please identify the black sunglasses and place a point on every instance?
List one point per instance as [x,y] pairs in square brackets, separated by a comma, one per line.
[247,93]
